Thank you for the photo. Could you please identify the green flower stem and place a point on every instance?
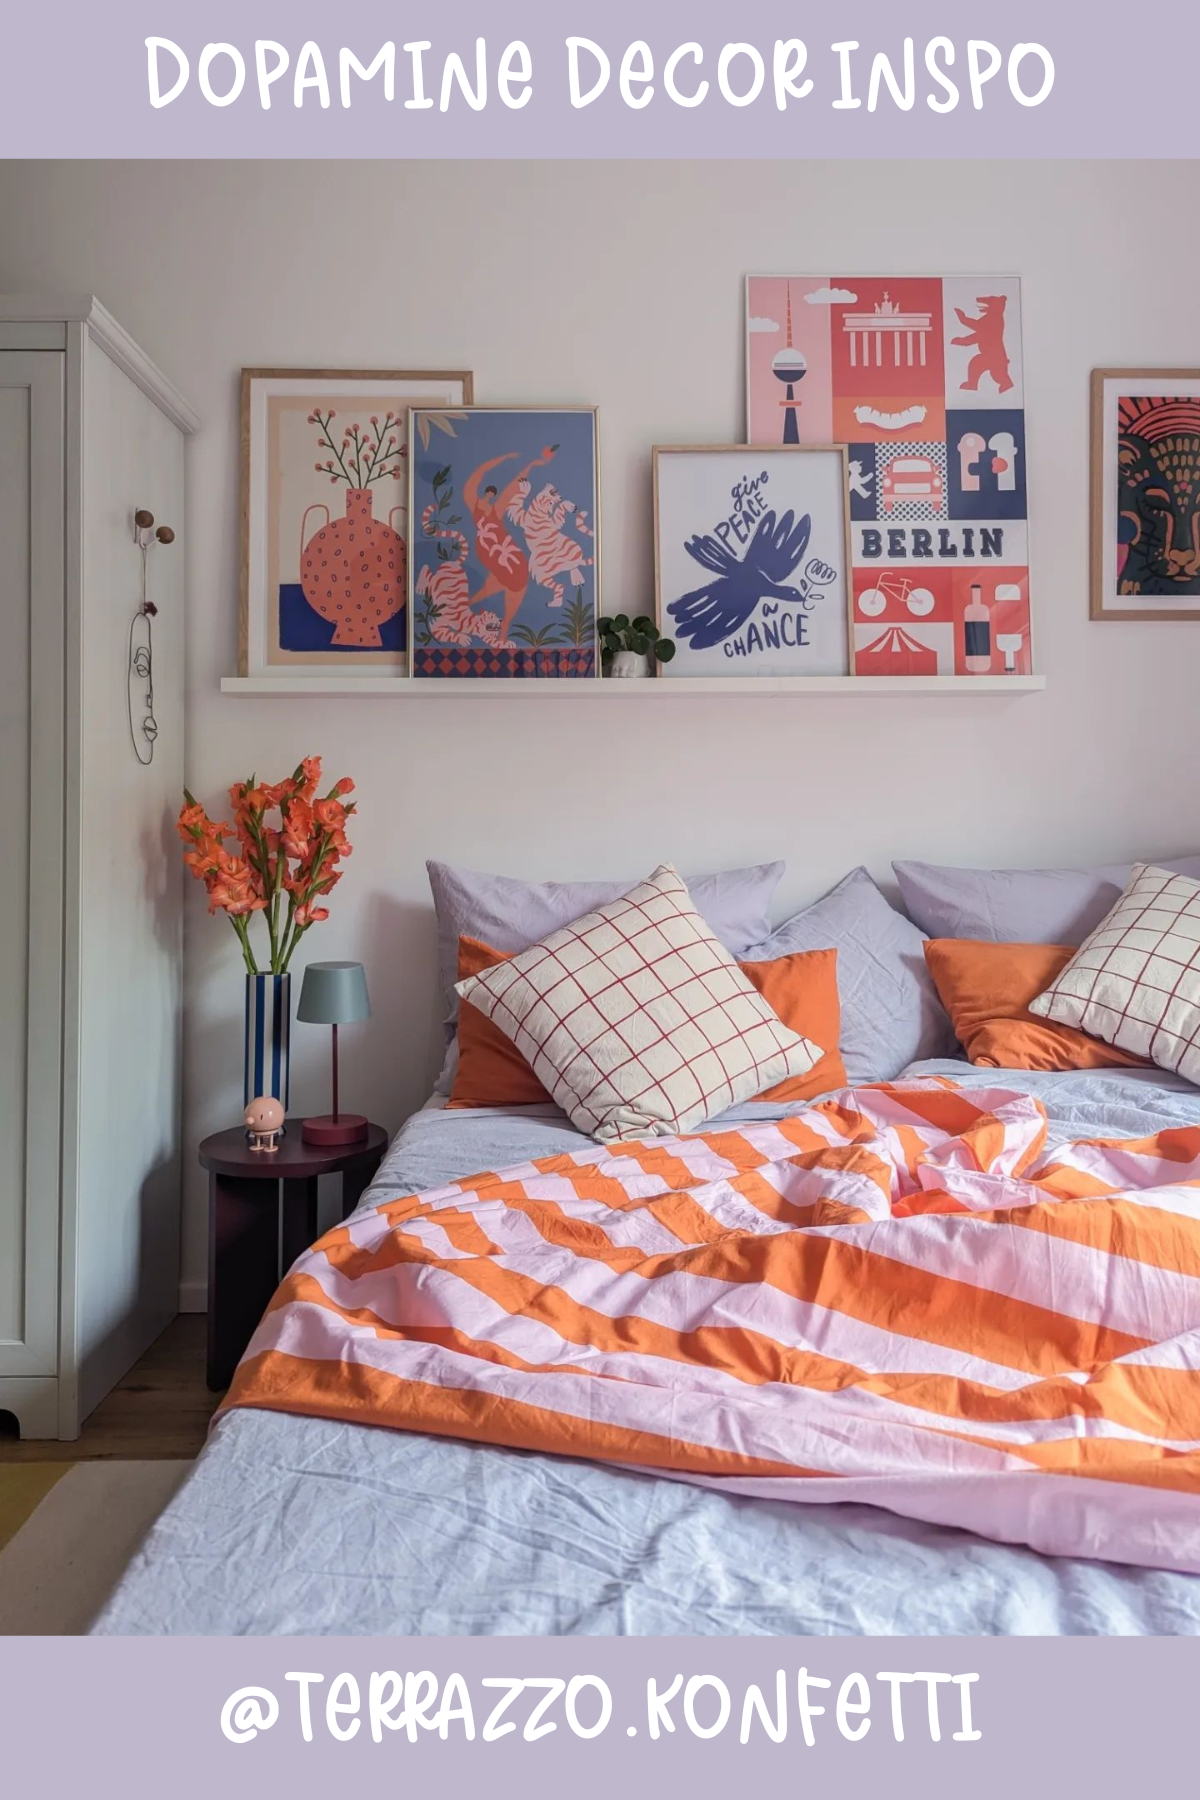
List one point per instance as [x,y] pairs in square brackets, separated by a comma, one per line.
[239,925]
[273,909]
[311,891]
[254,822]
[291,913]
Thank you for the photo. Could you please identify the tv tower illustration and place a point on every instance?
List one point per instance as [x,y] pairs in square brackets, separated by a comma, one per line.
[789,366]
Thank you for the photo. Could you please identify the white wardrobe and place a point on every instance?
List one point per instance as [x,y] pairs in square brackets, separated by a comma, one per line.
[91,929]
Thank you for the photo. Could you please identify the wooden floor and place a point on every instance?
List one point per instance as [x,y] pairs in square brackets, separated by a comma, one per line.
[159,1412]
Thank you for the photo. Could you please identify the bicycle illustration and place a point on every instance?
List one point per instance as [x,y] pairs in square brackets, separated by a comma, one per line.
[872,601]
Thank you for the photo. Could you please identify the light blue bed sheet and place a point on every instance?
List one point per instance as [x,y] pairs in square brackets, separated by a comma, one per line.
[290,1525]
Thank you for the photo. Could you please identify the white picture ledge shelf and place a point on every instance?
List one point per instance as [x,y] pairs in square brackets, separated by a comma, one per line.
[289,687]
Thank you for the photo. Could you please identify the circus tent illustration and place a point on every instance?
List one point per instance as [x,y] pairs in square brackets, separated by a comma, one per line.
[897,652]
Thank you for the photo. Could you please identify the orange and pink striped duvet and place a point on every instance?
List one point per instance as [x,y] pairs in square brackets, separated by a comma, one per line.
[894,1296]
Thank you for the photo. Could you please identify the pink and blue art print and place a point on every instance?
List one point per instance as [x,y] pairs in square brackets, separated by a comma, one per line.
[504,547]
[921,378]
[752,561]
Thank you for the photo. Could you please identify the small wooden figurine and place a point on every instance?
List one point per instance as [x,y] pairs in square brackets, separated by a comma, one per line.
[263,1119]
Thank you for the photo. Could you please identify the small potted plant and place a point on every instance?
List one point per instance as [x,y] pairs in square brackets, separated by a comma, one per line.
[632,647]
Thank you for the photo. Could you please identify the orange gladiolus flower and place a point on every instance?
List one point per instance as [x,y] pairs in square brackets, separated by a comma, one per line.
[202,856]
[233,898]
[310,915]
[250,799]
[192,822]
[310,770]
[297,827]
[297,856]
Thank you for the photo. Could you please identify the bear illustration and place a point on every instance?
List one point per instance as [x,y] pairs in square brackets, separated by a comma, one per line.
[986,336]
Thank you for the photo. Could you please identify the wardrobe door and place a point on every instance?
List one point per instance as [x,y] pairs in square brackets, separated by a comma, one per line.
[32,612]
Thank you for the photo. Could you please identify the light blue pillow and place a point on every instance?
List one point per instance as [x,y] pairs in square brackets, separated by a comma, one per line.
[1017,906]
[891,1014]
[511,914]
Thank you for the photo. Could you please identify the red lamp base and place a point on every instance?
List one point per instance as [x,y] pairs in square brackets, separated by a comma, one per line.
[347,1128]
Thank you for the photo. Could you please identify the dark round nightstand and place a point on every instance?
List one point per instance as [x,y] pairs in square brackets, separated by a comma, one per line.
[248,1251]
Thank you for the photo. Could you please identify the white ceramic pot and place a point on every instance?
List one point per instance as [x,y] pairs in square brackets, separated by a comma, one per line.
[627,664]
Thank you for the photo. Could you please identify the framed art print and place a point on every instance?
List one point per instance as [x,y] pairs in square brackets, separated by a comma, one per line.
[752,559]
[324,513]
[504,571]
[1145,494]
[921,378]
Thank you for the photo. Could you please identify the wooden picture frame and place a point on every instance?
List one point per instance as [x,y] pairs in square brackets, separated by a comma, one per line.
[922,377]
[504,571]
[760,649]
[282,628]
[1169,409]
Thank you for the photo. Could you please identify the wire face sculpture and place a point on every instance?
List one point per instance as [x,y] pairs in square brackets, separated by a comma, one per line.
[140,670]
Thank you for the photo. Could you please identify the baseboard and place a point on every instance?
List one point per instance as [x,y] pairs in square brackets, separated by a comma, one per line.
[107,1362]
[33,1402]
[193,1296]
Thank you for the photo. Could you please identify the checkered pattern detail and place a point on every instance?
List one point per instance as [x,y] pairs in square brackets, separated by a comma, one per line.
[636,1018]
[1135,982]
[467,660]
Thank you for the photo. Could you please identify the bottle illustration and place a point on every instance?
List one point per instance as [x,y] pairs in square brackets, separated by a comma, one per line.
[977,634]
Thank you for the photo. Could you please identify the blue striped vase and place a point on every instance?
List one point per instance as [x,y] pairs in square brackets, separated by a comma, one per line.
[268,1034]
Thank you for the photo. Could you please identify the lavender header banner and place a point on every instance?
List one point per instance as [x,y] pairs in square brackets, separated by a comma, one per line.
[595,78]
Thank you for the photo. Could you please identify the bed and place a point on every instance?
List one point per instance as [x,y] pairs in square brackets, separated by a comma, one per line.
[307,1525]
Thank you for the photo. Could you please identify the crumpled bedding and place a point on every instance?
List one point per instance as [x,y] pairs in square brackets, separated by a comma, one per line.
[309,1525]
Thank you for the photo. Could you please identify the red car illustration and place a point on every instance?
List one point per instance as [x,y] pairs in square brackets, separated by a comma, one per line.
[911,478]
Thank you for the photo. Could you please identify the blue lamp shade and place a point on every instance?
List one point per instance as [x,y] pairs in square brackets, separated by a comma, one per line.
[334,993]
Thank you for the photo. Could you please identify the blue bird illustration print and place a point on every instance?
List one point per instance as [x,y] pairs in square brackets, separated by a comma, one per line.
[711,613]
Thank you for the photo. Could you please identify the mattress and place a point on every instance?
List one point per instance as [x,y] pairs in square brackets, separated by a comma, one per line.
[297,1525]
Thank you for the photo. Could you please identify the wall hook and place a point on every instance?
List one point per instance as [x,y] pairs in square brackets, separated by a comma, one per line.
[141,640]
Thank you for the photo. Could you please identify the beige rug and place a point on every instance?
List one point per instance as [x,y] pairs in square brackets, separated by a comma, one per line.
[74,1528]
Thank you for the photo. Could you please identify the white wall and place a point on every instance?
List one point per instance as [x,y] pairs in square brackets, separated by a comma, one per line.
[621,284]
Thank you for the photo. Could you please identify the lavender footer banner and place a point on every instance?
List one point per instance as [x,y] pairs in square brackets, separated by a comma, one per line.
[901,1716]
[532,78]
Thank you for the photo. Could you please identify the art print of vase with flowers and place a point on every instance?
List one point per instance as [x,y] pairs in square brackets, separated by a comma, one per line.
[289,845]
[353,569]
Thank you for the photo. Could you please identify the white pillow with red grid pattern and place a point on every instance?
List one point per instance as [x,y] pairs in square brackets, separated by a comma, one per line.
[1135,982]
[637,1019]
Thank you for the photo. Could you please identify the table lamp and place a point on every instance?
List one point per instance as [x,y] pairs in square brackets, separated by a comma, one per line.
[334,993]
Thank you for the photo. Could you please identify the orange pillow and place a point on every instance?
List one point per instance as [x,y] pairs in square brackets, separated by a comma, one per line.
[801,989]
[986,989]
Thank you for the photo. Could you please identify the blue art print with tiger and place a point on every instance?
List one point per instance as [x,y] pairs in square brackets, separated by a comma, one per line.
[503,546]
